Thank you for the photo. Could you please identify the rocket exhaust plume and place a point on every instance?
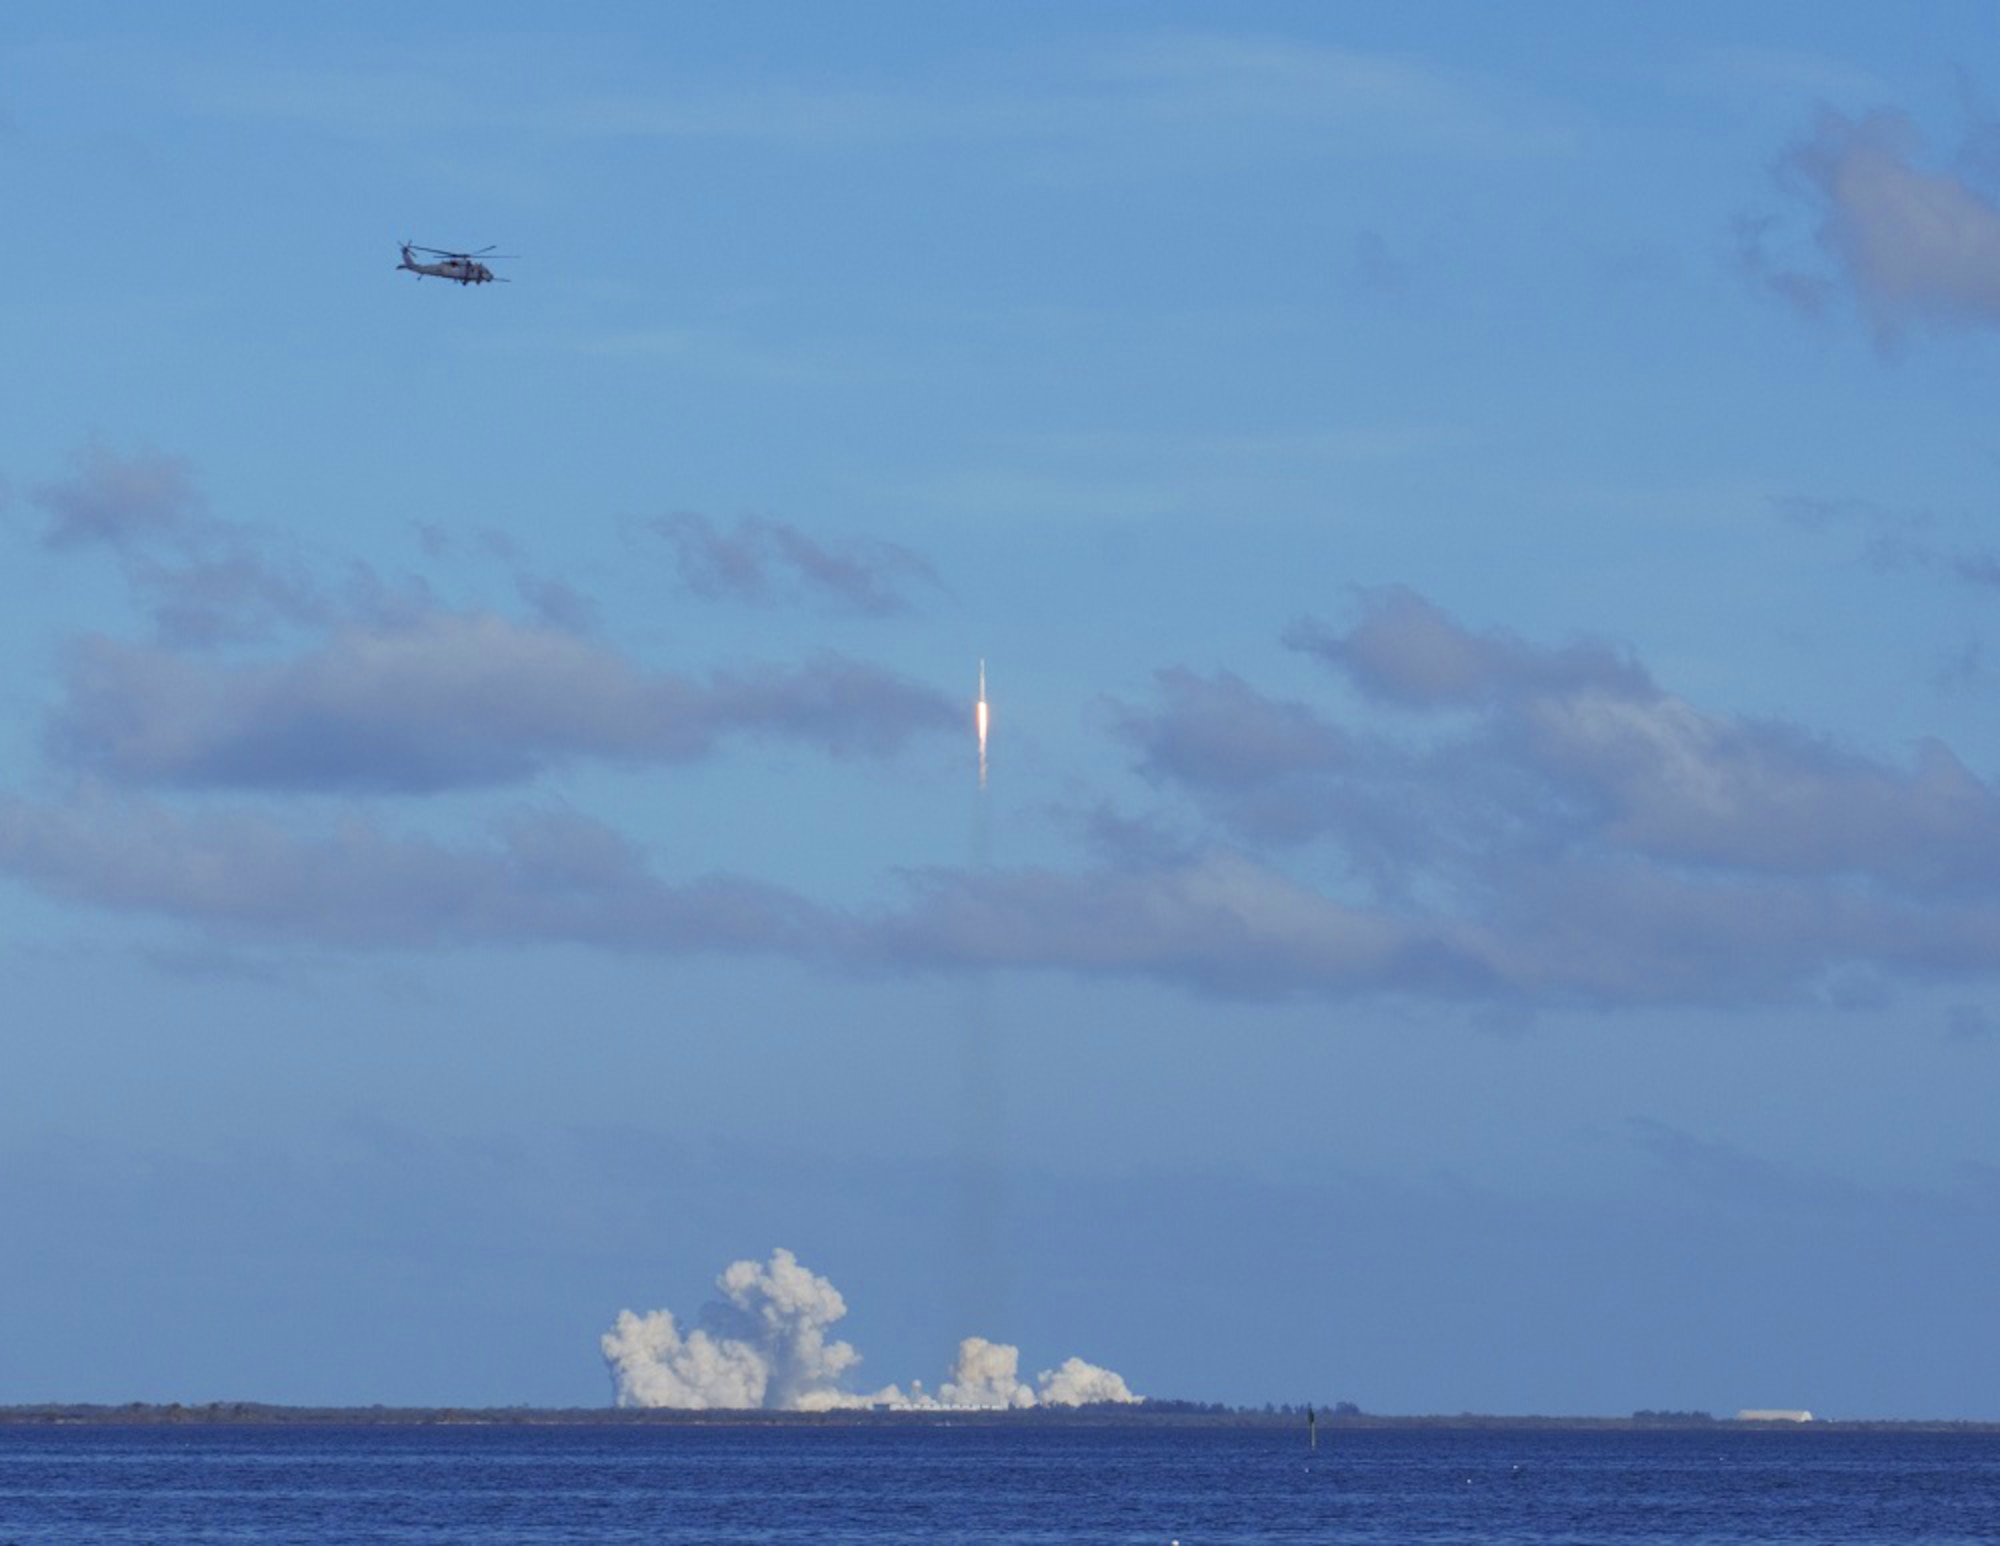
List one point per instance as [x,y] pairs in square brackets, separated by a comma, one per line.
[765,1344]
[980,717]
[981,1261]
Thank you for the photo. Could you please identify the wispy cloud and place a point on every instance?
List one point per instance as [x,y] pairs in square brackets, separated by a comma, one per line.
[544,876]
[1407,652]
[1220,923]
[1223,80]
[1895,541]
[721,352]
[763,560]
[1209,93]
[119,500]
[1133,99]
[1911,243]
[1723,1175]
[1762,75]
[204,581]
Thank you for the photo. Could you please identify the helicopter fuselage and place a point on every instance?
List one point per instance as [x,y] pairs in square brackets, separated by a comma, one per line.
[460,270]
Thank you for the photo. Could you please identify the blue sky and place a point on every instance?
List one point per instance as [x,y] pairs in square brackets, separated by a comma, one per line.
[1478,528]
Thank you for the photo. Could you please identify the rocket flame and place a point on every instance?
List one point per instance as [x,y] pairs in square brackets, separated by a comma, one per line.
[980,717]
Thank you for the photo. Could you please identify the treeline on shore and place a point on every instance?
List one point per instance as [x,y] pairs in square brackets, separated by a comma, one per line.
[1333,1417]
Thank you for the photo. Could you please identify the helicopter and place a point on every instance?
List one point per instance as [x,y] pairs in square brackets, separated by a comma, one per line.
[464,267]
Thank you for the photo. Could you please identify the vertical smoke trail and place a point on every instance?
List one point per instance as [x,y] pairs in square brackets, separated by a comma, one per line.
[984,1295]
[985,1292]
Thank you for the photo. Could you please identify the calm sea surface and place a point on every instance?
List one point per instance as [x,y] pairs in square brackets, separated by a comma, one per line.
[830,1486]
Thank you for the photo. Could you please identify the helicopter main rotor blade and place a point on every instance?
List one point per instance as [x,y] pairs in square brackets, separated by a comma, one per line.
[451,252]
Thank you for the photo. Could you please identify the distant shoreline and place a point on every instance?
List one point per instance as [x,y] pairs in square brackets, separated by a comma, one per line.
[1145,1415]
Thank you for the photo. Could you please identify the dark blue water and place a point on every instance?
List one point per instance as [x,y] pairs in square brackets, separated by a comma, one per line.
[831,1486]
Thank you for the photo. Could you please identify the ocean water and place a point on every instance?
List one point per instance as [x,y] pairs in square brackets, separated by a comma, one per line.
[829,1486]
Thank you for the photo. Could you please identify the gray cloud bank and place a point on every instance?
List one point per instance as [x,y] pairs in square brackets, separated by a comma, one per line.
[1554,823]
[540,877]
[1538,825]
[448,699]
[392,689]
[1534,825]
[1467,815]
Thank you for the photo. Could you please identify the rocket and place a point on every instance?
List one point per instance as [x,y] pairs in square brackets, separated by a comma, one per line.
[979,715]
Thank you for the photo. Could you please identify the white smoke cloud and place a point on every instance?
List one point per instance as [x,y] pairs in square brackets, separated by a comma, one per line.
[1076,1383]
[986,1375]
[656,1366]
[764,1345]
